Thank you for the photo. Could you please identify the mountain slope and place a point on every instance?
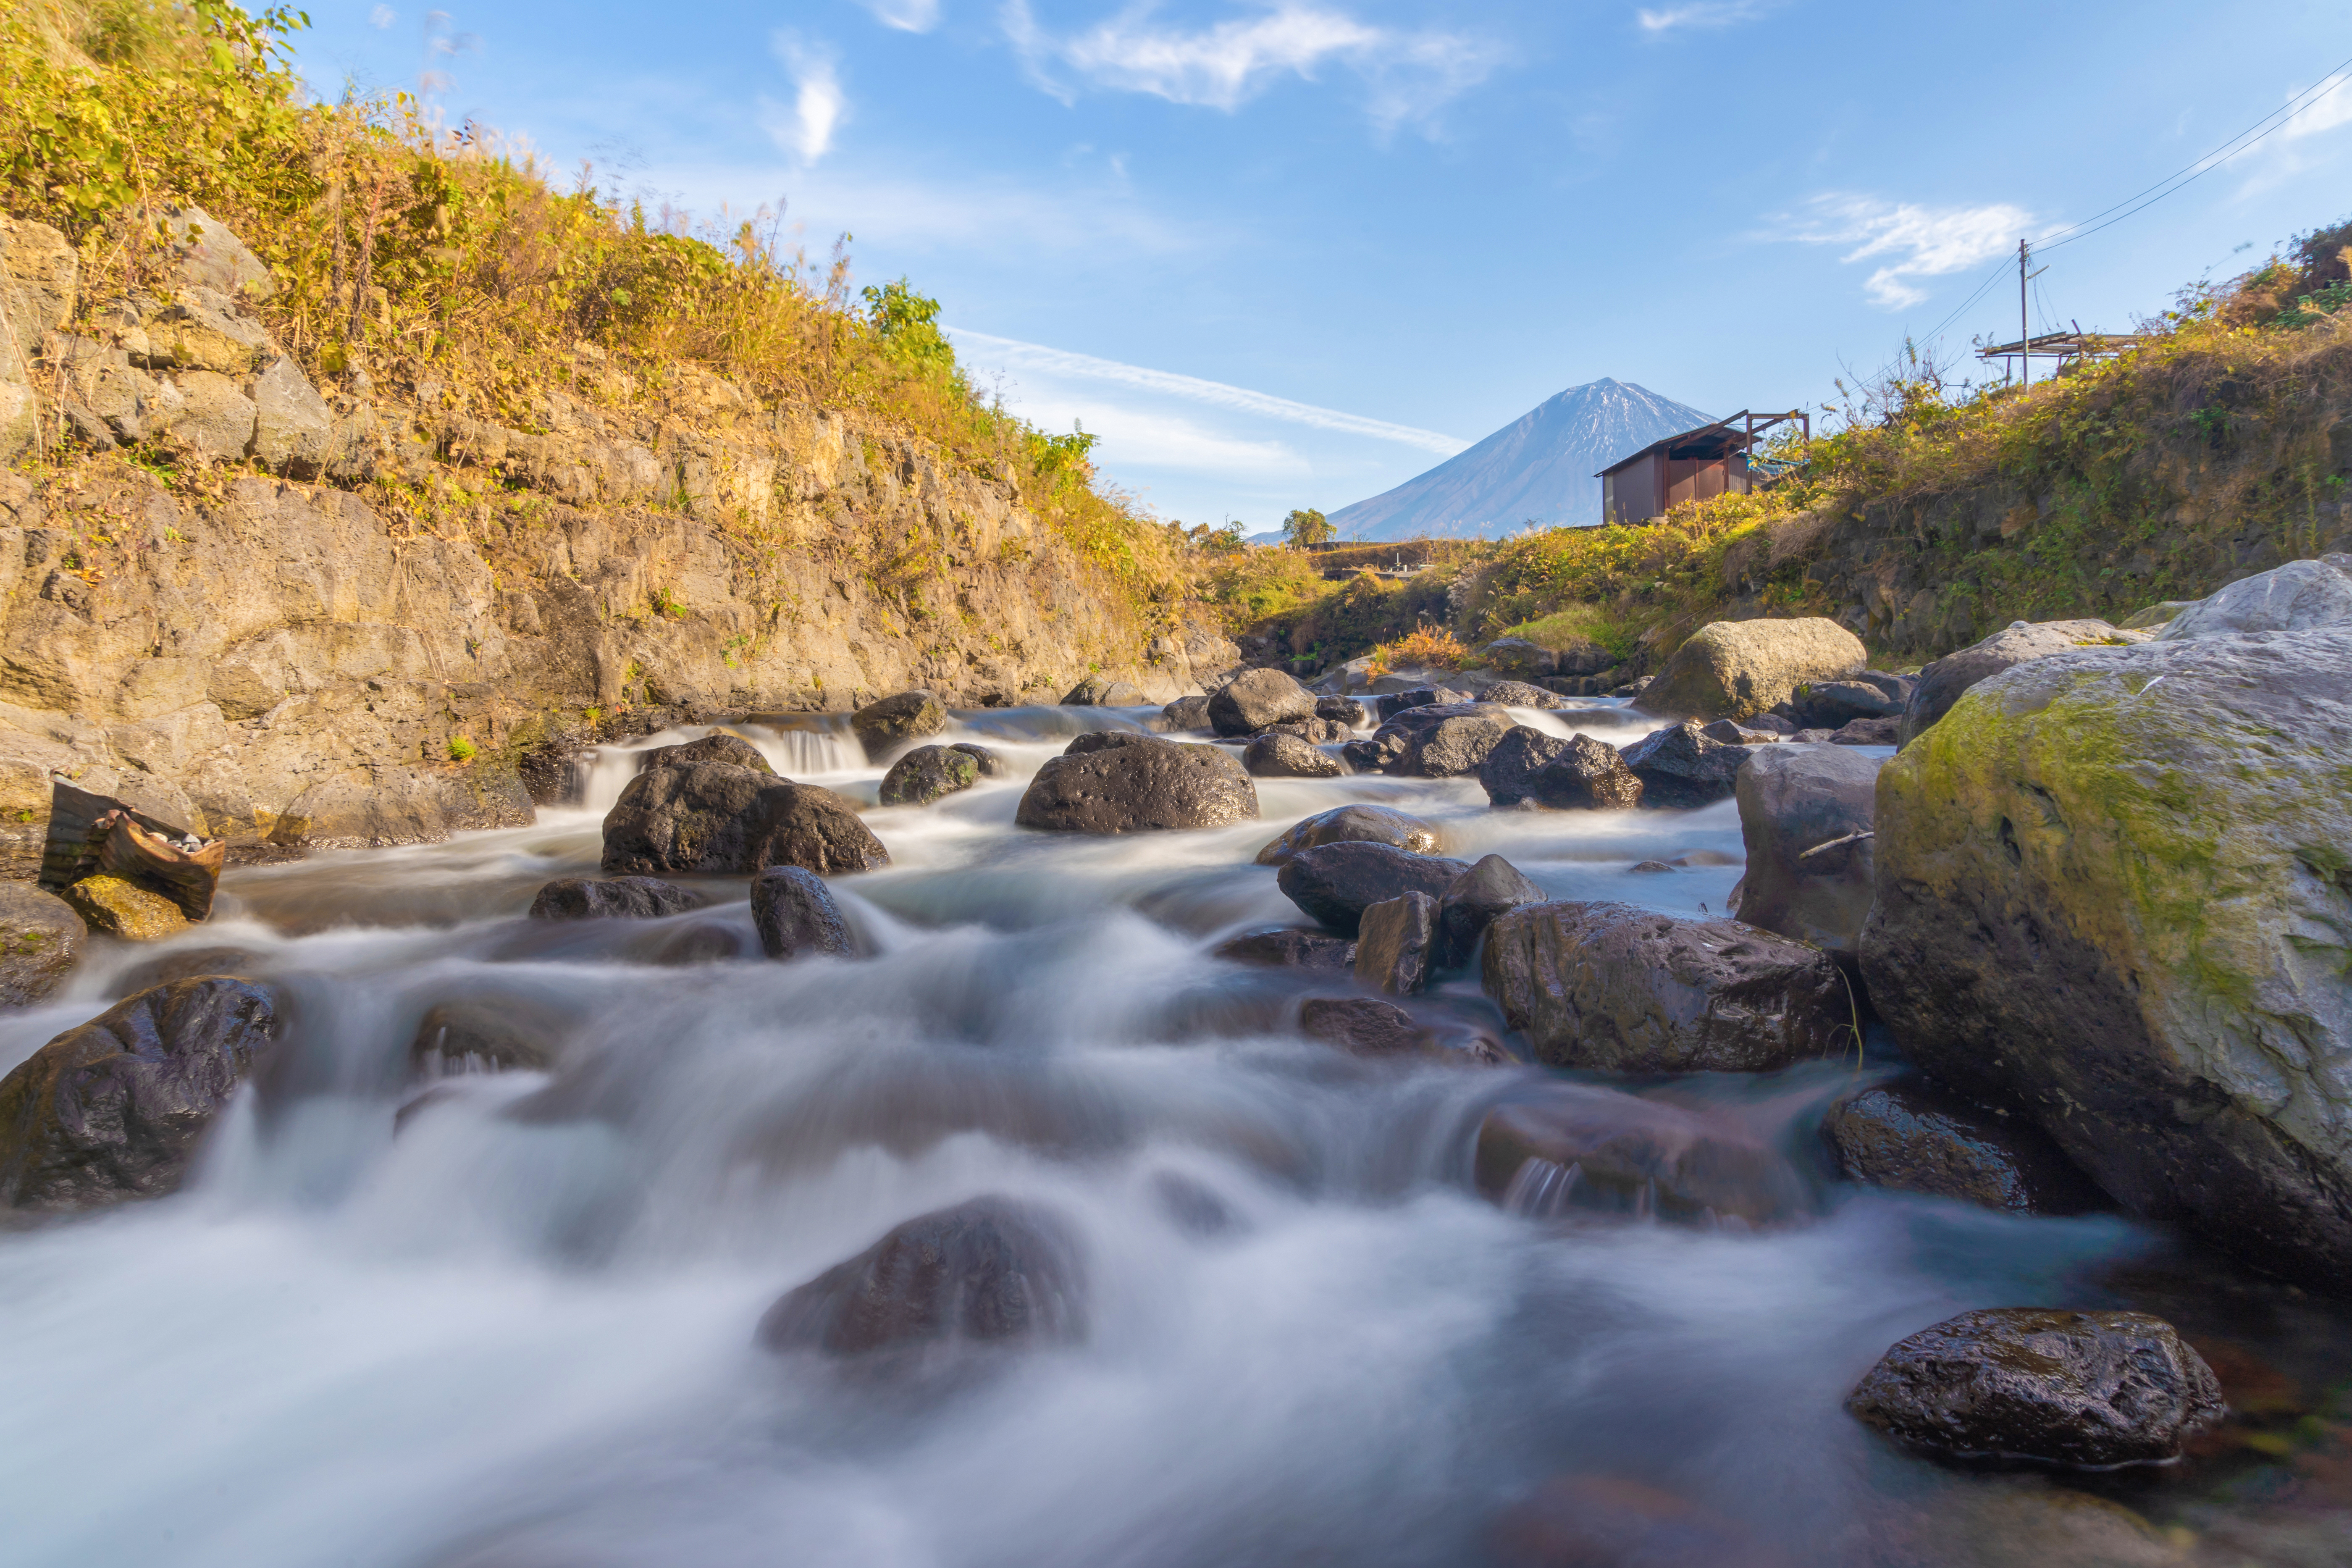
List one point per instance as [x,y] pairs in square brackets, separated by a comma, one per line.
[1540,467]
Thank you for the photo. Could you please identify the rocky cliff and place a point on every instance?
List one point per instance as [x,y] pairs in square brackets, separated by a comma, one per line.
[287,617]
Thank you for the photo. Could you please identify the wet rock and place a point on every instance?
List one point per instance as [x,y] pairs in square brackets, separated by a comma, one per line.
[1650,868]
[1187,713]
[2068,1388]
[1613,1522]
[1344,710]
[991,1272]
[1681,767]
[1913,1137]
[1941,684]
[1733,670]
[1393,941]
[1519,694]
[183,963]
[1867,733]
[1987,1523]
[1192,1206]
[1354,824]
[1611,987]
[1147,785]
[1335,883]
[1360,1026]
[1563,1147]
[1527,767]
[41,939]
[733,750]
[484,1034]
[1103,741]
[2103,883]
[115,1108]
[796,913]
[1473,901]
[928,773]
[1101,691]
[883,726]
[986,763]
[1257,698]
[1829,704]
[2302,595]
[1388,704]
[1374,754]
[611,897]
[1520,658]
[1769,723]
[1805,817]
[117,907]
[1290,948]
[719,818]
[1445,739]
[1288,757]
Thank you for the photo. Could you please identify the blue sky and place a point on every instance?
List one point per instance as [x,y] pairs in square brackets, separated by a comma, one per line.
[1291,254]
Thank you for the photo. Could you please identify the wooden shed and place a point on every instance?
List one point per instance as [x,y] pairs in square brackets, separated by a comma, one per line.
[1697,465]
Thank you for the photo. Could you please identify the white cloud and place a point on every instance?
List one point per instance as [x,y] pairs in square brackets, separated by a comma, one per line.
[2331,108]
[1015,354]
[1919,241]
[906,16]
[806,128]
[383,17]
[1410,75]
[1701,14]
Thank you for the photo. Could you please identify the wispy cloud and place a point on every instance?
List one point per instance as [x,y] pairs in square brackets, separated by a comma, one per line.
[1410,75]
[804,128]
[1912,241]
[1701,14]
[906,16]
[2331,108]
[1013,353]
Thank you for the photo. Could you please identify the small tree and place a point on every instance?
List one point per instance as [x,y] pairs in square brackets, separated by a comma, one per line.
[1307,529]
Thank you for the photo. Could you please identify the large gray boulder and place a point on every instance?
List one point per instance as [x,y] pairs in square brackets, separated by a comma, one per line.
[1442,740]
[883,726]
[1941,683]
[1142,785]
[1354,824]
[1528,767]
[1335,883]
[1257,698]
[41,939]
[1564,1146]
[721,819]
[1805,816]
[1680,768]
[114,1109]
[2113,888]
[1734,669]
[2301,595]
[1612,988]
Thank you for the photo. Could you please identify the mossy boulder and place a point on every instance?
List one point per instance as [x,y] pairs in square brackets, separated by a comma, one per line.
[119,906]
[2114,886]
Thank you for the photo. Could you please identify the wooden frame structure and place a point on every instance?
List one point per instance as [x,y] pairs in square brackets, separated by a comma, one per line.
[1697,465]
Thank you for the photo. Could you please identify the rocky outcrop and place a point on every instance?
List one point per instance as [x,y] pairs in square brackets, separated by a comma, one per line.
[1576,1147]
[611,897]
[41,939]
[1527,767]
[1354,824]
[795,913]
[1733,670]
[1144,785]
[928,773]
[1805,816]
[2113,890]
[719,818]
[1941,683]
[2093,1389]
[115,1108]
[1912,1137]
[1612,988]
[1335,883]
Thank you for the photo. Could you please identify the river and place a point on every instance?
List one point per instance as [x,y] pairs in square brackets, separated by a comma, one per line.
[505,1320]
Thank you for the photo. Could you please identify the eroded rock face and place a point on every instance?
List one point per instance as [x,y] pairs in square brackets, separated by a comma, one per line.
[716,817]
[990,1273]
[1393,943]
[1734,669]
[1941,683]
[2069,1388]
[41,939]
[1913,1137]
[1527,767]
[611,897]
[796,913]
[1681,767]
[2113,890]
[115,1108]
[1143,784]
[1257,698]
[1281,756]
[928,773]
[883,726]
[1572,1146]
[1805,817]
[1335,883]
[1625,990]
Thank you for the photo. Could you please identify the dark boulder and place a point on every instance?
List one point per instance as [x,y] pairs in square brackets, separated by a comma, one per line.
[1393,940]
[1103,741]
[1575,1146]
[1471,902]
[991,1272]
[733,750]
[1360,1026]
[815,829]
[1527,767]
[714,817]
[185,963]
[1290,949]
[1866,732]
[1445,739]
[883,726]
[1680,768]
[114,1109]
[611,898]
[1913,1137]
[1257,698]
[2093,1389]
[1352,824]
[1519,694]
[1805,817]
[1277,757]
[1186,713]
[1372,754]
[928,773]
[1388,704]
[1733,734]
[988,764]
[1827,704]
[794,912]
[1145,784]
[1317,732]
[1335,883]
[1342,710]
[1612,988]
[41,939]
[1941,684]
[485,1034]
[1519,657]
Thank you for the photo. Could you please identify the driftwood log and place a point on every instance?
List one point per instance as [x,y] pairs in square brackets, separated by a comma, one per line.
[90,833]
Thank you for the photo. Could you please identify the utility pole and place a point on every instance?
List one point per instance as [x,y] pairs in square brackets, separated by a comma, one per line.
[2024,333]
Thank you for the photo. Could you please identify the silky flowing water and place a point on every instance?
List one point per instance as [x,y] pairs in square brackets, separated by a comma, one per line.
[506,1318]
